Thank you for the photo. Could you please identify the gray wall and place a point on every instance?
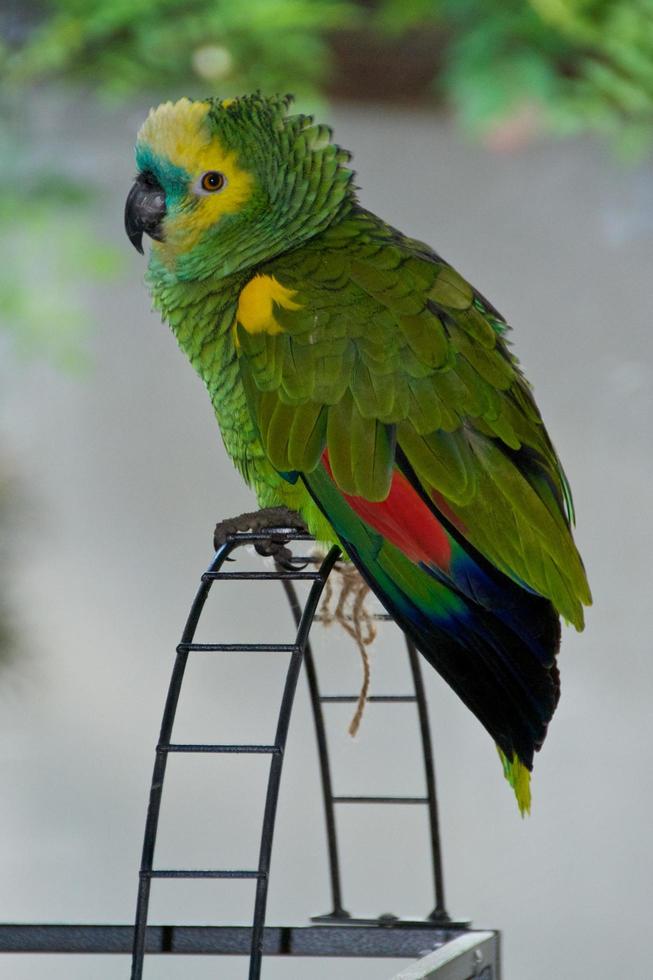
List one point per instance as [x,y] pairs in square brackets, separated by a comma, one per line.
[122,476]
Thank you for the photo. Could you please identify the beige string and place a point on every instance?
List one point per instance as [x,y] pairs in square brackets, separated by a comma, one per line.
[354,617]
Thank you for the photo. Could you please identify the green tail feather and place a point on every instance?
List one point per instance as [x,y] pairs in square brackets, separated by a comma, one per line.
[519,778]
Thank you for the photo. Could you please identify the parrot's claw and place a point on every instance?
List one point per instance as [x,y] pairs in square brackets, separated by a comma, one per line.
[261,520]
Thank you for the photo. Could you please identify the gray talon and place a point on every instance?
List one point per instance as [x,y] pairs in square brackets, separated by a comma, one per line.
[261,520]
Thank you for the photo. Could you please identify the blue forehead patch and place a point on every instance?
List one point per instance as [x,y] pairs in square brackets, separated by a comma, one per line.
[171,177]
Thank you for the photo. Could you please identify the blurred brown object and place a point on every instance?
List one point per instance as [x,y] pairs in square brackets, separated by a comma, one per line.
[369,66]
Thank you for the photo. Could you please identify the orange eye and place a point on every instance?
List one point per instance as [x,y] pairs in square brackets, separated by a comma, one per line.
[212,181]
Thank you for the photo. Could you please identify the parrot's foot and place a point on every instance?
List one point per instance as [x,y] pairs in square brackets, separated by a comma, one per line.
[261,520]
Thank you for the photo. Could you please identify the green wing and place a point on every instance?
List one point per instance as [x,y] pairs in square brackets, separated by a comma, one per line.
[390,356]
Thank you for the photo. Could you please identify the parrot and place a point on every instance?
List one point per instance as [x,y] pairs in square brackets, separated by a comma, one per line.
[361,383]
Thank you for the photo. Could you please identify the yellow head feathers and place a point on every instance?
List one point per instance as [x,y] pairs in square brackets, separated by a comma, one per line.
[177,131]
[242,179]
[180,136]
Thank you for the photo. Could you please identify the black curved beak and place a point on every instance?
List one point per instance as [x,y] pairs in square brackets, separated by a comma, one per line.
[145,209]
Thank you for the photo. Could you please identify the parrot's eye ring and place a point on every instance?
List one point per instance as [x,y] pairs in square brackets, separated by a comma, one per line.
[211,181]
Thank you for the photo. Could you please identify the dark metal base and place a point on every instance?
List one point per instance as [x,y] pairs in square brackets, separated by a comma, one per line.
[397,939]
[392,921]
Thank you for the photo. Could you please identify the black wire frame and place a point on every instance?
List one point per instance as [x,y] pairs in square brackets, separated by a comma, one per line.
[300,652]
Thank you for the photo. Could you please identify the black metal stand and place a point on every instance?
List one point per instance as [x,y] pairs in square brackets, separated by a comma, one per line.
[299,650]
[454,951]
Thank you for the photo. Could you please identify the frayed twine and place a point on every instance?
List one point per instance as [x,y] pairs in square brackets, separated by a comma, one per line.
[354,617]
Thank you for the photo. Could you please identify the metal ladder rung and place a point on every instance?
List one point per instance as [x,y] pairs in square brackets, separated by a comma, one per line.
[261,576]
[237,648]
[228,749]
[377,617]
[174,873]
[373,699]
[380,799]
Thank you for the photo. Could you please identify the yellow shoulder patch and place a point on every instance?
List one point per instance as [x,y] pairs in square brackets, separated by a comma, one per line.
[255,311]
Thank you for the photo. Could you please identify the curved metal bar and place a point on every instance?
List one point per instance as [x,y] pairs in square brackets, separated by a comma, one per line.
[299,650]
[338,912]
[276,764]
[439,913]
[161,759]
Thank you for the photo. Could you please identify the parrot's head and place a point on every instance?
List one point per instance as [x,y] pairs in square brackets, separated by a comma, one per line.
[222,185]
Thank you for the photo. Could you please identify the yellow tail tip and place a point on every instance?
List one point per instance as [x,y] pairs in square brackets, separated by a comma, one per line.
[519,778]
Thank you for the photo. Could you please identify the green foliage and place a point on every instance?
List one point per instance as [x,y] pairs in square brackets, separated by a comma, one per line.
[123,47]
[612,89]
[577,64]
[568,65]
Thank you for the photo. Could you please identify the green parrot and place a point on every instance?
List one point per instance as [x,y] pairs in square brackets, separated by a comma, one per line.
[359,381]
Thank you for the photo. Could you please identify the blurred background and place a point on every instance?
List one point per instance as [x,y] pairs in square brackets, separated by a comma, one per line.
[515,137]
